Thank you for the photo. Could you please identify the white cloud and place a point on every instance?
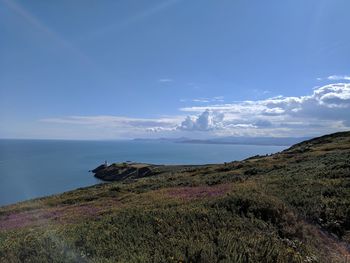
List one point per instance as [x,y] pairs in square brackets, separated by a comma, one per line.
[338,77]
[161,129]
[215,99]
[204,122]
[218,98]
[165,80]
[112,121]
[109,127]
[201,100]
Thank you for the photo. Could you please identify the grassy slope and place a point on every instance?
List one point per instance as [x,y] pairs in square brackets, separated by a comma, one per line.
[293,206]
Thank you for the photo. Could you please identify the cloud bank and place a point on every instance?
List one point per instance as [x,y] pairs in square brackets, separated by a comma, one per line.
[326,109]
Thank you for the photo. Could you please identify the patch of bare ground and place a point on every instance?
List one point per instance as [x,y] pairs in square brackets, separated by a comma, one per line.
[337,250]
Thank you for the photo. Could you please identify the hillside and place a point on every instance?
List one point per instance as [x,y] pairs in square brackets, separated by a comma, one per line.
[293,206]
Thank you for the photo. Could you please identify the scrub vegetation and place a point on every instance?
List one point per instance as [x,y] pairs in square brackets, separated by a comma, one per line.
[293,206]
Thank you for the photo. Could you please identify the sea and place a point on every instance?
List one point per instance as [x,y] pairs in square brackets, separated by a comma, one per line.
[37,168]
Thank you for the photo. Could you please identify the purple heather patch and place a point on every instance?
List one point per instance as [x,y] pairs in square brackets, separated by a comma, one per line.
[43,216]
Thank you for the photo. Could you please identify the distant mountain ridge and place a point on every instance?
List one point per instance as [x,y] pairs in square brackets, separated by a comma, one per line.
[277,141]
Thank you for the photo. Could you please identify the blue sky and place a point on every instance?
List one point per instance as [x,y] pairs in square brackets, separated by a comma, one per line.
[155,68]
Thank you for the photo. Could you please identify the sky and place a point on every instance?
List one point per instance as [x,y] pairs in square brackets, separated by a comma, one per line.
[105,70]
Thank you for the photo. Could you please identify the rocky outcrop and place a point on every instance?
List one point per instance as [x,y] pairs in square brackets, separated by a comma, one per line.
[121,171]
[99,168]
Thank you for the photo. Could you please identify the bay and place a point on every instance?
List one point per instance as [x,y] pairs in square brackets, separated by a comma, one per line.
[36,168]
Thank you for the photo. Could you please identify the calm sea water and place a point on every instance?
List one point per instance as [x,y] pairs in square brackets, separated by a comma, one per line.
[35,168]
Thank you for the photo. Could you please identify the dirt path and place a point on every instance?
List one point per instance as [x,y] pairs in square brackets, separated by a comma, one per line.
[337,250]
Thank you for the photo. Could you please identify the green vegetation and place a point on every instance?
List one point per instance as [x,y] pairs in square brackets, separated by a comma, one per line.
[293,206]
